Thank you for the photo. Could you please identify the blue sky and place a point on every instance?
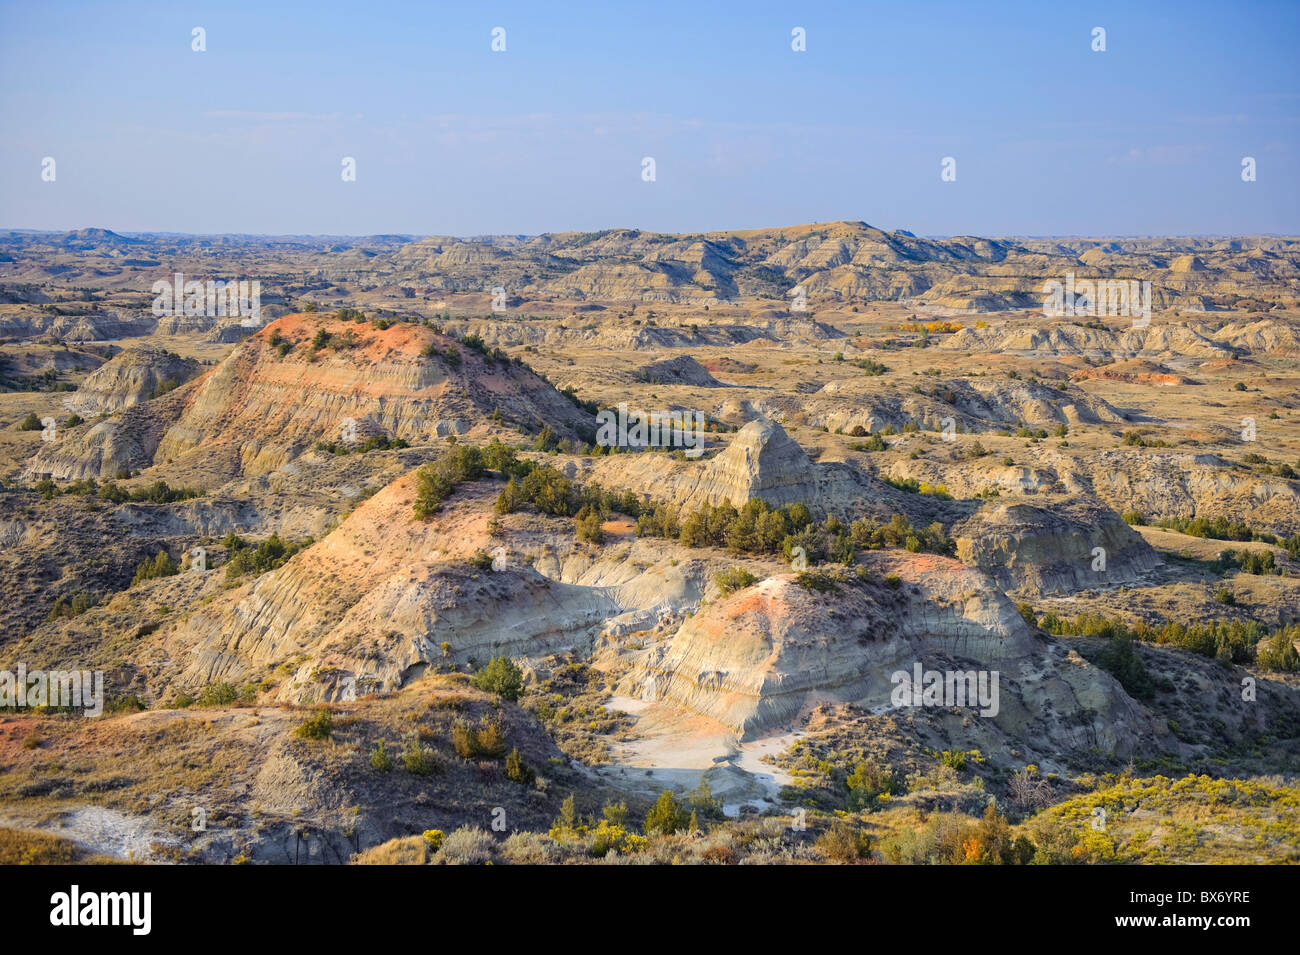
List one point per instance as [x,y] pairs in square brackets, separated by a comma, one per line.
[1049,137]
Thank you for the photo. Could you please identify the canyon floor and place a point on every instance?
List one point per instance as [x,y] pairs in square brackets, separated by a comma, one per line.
[411,606]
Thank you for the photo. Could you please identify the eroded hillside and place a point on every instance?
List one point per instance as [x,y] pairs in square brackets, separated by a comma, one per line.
[397,557]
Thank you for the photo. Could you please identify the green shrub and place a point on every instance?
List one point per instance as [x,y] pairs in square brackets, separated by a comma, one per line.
[868,782]
[163,387]
[819,583]
[486,740]
[80,603]
[874,442]
[954,759]
[160,565]
[666,816]
[30,423]
[379,758]
[1120,659]
[517,770]
[843,842]
[437,479]
[270,554]
[733,579]
[502,677]
[317,726]
[590,527]
[1026,612]
[416,758]
[218,694]
[1278,652]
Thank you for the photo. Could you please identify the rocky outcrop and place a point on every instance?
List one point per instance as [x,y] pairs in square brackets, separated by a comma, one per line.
[683,370]
[260,407]
[761,461]
[974,405]
[1159,340]
[103,450]
[384,597]
[763,657]
[1060,546]
[134,375]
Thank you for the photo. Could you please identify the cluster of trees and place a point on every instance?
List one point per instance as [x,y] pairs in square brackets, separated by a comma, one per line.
[457,465]
[913,486]
[546,489]
[376,442]
[160,389]
[1219,528]
[79,604]
[1133,439]
[1120,659]
[1249,562]
[472,742]
[451,354]
[160,565]
[344,340]
[868,782]
[1231,641]
[758,528]
[1216,528]
[248,558]
[279,343]
[159,492]
[754,528]
[1278,652]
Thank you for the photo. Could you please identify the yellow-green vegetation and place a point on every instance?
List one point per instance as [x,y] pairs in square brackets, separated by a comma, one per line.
[24,847]
[610,834]
[461,463]
[471,742]
[246,558]
[160,565]
[733,579]
[1160,820]
[220,693]
[570,703]
[517,771]
[417,759]
[502,677]
[379,758]
[317,726]
[1232,641]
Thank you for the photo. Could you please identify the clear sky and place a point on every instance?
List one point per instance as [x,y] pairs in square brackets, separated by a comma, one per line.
[449,137]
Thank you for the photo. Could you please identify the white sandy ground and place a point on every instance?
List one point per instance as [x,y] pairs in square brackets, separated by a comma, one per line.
[103,831]
[674,749]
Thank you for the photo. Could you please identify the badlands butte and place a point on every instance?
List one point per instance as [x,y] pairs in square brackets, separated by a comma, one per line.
[367,583]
